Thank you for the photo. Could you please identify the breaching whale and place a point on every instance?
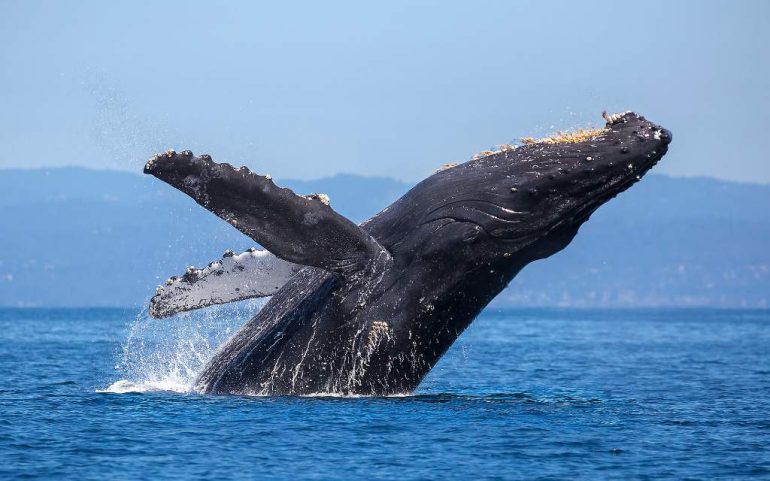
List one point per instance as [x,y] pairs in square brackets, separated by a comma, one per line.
[369,309]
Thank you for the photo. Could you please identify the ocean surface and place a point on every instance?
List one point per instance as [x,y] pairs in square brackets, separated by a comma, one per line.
[524,394]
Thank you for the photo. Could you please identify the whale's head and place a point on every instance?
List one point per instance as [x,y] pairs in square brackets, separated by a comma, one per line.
[554,184]
[526,202]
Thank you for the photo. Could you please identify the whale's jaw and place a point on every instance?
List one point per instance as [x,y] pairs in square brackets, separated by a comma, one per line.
[585,175]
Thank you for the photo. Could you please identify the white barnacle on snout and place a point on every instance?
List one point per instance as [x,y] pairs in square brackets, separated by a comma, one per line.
[613,118]
[151,163]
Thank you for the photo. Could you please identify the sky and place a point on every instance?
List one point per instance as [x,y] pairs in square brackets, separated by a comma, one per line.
[310,89]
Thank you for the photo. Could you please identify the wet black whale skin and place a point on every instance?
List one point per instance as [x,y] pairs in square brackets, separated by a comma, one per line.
[379,304]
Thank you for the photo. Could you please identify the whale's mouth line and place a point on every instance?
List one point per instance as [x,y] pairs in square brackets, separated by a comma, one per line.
[614,186]
[578,213]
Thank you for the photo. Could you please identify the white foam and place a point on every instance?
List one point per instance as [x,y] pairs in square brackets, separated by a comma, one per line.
[124,386]
[168,355]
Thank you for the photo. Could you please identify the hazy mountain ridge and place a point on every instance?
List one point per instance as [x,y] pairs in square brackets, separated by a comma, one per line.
[75,237]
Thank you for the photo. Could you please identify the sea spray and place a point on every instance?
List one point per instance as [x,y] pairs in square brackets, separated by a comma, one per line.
[168,354]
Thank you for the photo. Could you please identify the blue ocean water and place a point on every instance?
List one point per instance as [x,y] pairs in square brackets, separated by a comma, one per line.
[524,394]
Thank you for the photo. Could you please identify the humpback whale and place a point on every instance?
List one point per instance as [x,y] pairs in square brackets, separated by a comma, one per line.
[369,309]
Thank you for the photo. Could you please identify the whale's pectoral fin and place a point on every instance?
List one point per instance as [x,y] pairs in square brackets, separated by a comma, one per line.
[302,230]
[234,277]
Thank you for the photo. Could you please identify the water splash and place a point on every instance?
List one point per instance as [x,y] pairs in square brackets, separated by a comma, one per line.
[168,354]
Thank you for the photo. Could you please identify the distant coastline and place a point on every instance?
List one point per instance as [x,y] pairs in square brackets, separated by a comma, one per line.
[76,237]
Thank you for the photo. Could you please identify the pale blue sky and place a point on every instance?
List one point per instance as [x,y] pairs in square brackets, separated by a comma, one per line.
[305,90]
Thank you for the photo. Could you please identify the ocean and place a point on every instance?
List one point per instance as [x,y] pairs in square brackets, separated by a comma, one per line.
[523,394]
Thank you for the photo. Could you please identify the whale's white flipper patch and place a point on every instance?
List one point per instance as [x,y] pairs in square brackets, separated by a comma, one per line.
[254,273]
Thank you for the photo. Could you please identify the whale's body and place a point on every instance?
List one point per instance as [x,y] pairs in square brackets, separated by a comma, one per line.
[370,309]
